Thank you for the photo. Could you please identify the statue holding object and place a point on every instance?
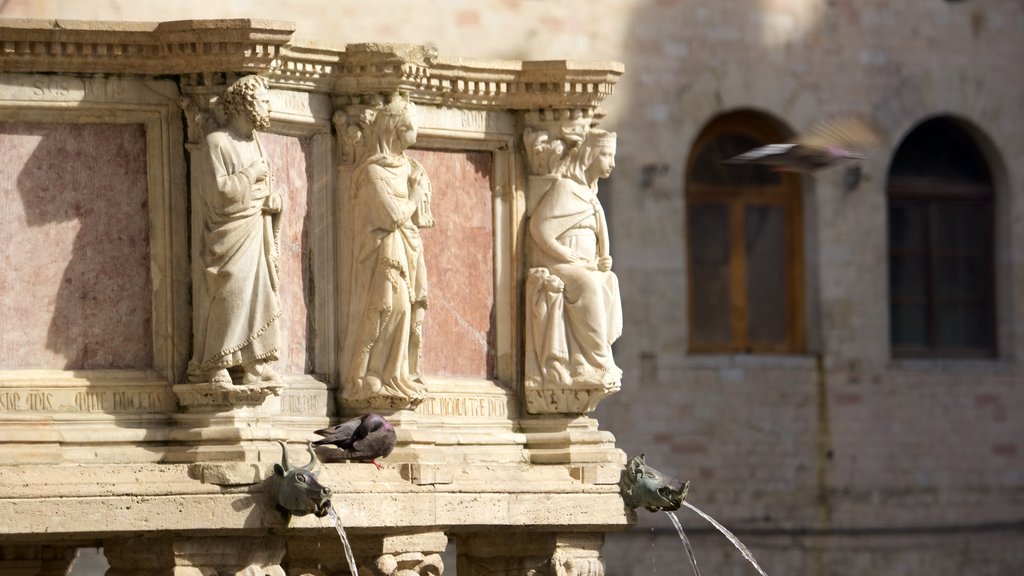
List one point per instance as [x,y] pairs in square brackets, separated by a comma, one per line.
[236,302]
[390,203]
[572,296]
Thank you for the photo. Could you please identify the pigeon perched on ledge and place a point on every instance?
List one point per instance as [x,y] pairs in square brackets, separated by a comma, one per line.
[363,439]
[826,144]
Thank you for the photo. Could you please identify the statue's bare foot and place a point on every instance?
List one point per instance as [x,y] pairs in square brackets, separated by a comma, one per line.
[260,375]
[220,378]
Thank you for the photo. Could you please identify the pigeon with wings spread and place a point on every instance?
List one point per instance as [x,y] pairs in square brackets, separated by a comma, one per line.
[826,144]
[363,439]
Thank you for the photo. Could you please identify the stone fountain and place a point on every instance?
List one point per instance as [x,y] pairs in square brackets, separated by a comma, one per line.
[224,236]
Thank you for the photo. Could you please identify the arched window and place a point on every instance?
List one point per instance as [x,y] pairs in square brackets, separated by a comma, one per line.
[941,276]
[744,238]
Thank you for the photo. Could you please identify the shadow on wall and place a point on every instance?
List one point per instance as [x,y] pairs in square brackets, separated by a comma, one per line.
[76,288]
[678,61]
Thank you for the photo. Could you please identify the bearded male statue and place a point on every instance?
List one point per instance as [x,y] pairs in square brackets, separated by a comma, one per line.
[235,279]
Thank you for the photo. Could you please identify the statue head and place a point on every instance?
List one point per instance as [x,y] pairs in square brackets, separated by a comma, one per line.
[248,97]
[595,158]
[393,128]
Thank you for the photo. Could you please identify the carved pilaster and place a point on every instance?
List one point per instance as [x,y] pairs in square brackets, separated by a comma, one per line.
[206,556]
[531,554]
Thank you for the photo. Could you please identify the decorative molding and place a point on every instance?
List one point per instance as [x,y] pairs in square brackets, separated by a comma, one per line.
[141,47]
[202,51]
[428,78]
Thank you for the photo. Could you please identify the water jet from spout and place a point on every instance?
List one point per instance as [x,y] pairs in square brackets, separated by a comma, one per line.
[333,515]
[732,537]
[686,541]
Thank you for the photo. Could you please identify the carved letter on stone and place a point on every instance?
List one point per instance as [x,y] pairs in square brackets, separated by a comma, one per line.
[390,203]
[573,312]
[235,288]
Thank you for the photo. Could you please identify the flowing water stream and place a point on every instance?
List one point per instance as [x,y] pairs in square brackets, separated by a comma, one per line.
[333,515]
[686,541]
[732,538]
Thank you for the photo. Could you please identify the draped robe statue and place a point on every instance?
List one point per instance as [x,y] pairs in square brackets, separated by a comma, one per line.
[389,298]
[236,294]
[573,307]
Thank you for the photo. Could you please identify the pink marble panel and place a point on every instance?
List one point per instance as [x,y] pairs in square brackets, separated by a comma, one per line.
[458,332]
[75,289]
[288,157]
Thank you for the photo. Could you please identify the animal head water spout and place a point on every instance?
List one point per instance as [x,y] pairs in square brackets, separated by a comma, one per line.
[299,492]
[644,486]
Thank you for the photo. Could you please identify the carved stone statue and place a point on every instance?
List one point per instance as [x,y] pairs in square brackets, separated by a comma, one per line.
[235,293]
[573,308]
[391,202]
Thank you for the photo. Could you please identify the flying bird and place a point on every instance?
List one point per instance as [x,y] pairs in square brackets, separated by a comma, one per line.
[363,439]
[828,143]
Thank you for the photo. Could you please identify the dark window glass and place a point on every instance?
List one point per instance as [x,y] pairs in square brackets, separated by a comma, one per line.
[743,236]
[709,257]
[766,281]
[941,285]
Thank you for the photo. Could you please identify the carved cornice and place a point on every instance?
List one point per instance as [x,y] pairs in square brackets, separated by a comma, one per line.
[187,46]
[206,52]
[385,68]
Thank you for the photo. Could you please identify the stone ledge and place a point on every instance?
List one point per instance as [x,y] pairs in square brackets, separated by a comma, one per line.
[97,501]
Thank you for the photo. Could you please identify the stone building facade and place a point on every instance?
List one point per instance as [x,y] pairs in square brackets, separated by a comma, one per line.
[841,454]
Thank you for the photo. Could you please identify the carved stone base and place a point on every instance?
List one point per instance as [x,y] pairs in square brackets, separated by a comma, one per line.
[218,432]
[562,440]
[566,400]
[208,395]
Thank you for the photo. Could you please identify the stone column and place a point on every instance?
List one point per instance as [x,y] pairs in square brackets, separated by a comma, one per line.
[531,554]
[404,553]
[199,556]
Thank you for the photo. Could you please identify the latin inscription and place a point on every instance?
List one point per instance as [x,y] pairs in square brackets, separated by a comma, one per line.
[474,119]
[94,89]
[26,401]
[105,401]
[54,88]
[311,404]
[464,406]
[121,401]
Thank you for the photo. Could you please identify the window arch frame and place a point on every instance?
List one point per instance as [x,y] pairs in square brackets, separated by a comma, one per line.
[788,194]
[934,193]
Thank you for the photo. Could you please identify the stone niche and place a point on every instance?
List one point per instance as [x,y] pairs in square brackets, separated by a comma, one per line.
[108,439]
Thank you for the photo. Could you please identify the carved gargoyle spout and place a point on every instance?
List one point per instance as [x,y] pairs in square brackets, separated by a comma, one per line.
[299,492]
[644,486]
